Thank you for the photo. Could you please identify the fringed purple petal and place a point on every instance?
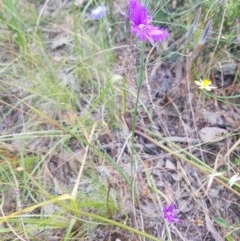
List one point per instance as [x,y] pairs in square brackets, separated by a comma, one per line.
[150,32]
[138,14]
[141,24]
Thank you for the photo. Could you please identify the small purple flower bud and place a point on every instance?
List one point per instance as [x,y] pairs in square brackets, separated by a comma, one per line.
[98,13]
[169,213]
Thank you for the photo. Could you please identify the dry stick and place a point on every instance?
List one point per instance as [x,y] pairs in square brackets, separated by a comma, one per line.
[209,224]
[212,176]
[75,188]
[234,146]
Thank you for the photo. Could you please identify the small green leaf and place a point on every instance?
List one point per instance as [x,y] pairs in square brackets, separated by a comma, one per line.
[222,222]
[229,238]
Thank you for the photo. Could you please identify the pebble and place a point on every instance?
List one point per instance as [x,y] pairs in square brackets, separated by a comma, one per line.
[170,165]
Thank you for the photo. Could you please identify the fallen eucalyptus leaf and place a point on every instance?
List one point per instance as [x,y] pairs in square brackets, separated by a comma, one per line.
[212,134]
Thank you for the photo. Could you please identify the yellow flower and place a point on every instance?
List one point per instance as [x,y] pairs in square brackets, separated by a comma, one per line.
[205,84]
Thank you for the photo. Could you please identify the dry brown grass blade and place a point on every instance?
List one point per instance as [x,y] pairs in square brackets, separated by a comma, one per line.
[77,182]
[232,148]
[209,224]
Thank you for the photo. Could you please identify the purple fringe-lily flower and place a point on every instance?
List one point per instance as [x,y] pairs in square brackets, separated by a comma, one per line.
[169,213]
[142,25]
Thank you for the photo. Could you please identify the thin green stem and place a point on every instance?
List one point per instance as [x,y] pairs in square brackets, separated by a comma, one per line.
[139,85]
[118,224]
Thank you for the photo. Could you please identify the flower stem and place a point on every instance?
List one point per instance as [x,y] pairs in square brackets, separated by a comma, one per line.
[140,75]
